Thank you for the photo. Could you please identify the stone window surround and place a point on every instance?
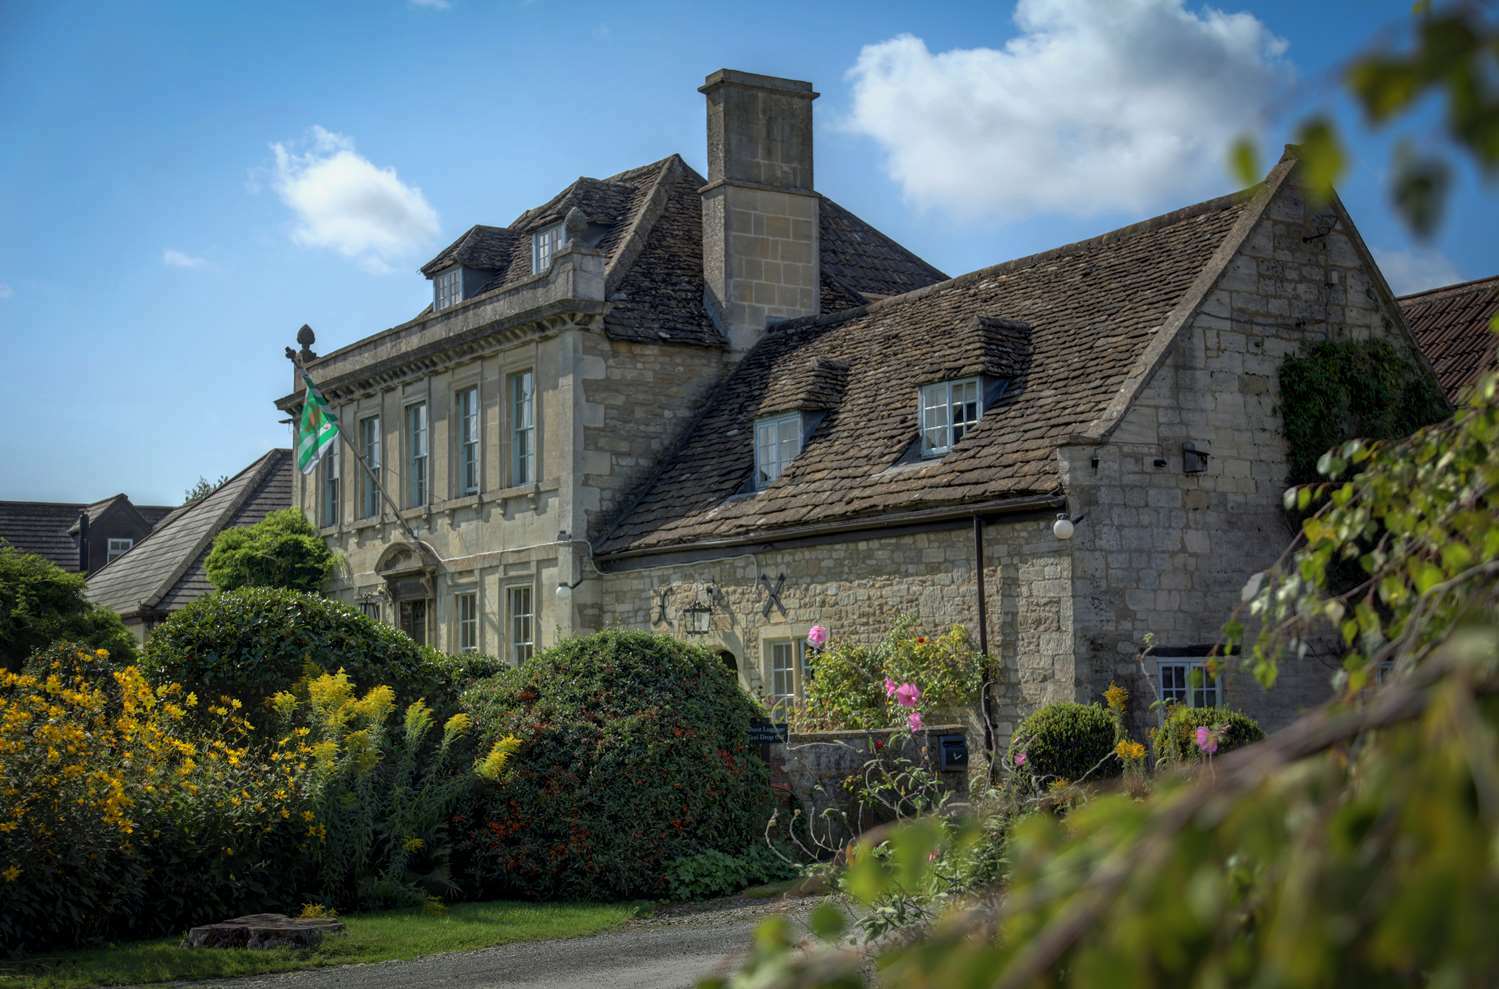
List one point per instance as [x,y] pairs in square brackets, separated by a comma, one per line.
[546,243]
[330,487]
[794,632]
[469,378]
[374,458]
[467,591]
[408,453]
[508,586]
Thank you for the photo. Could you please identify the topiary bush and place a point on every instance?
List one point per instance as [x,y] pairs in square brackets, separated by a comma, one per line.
[255,641]
[1177,741]
[633,755]
[281,550]
[1063,741]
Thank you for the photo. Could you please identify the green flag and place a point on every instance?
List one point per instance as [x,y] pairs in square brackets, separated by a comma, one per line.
[318,430]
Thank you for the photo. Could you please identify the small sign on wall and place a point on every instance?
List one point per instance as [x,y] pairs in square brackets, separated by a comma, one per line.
[762,731]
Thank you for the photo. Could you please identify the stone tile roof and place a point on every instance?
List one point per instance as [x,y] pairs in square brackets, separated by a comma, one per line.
[50,529]
[164,571]
[1452,326]
[1069,328]
[650,218]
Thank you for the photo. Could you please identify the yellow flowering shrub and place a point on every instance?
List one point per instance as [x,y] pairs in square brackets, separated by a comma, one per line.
[148,814]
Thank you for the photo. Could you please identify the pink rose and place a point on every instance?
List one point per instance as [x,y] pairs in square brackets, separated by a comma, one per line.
[889,687]
[1207,741]
[1020,759]
[914,721]
[817,637]
[907,695]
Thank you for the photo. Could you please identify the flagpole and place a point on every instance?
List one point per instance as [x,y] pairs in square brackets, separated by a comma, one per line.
[291,355]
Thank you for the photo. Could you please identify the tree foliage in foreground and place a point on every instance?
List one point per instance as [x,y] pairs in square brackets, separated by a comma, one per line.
[40,603]
[1356,847]
[281,550]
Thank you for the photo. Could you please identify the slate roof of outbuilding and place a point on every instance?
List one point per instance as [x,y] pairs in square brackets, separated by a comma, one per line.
[1452,326]
[1072,329]
[164,571]
[50,529]
[652,242]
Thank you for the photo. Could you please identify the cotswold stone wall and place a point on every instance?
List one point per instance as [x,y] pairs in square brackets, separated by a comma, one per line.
[636,401]
[1166,552]
[859,587]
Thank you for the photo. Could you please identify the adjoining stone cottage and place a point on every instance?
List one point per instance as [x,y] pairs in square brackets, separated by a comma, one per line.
[727,409]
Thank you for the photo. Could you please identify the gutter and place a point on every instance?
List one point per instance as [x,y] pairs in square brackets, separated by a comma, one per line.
[953,513]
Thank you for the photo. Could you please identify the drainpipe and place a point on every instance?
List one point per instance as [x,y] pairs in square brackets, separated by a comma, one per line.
[987,701]
[83,543]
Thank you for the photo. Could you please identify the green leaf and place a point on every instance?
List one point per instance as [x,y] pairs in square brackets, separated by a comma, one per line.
[1323,159]
[1419,188]
[827,922]
[1244,161]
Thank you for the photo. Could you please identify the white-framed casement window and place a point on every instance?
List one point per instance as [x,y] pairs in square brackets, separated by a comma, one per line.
[778,440]
[117,547]
[520,618]
[466,608]
[447,288]
[786,669]
[521,387]
[369,449]
[371,609]
[416,454]
[545,245]
[1187,681]
[466,406]
[330,486]
[948,410]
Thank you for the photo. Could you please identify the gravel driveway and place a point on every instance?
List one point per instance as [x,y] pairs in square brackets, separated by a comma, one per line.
[667,951]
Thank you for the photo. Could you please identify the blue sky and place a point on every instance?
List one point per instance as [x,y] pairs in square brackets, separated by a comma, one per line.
[183,185]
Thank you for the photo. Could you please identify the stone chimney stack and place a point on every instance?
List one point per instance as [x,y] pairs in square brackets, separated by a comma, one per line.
[760,215]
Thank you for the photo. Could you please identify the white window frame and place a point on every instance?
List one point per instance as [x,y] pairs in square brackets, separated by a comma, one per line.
[466,620]
[778,441]
[934,414]
[370,442]
[418,455]
[332,487]
[447,288]
[546,244]
[796,670]
[117,546]
[520,623]
[520,396]
[1174,674]
[470,474]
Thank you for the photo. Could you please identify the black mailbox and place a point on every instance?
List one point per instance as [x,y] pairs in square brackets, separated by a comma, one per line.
[952,752]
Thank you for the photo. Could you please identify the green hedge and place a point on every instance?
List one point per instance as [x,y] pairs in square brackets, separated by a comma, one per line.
[1064,741]
[635,756]
[252,642]
[1177,739]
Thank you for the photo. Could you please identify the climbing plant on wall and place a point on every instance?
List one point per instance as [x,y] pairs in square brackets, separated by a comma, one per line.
[1351,389]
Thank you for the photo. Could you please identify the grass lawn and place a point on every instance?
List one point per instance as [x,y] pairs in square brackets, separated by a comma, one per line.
[371,937]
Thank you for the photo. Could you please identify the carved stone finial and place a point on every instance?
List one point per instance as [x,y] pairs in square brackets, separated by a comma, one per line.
[306,338]
[575,224]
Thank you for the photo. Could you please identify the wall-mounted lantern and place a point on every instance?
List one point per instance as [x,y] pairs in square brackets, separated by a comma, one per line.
[697,618]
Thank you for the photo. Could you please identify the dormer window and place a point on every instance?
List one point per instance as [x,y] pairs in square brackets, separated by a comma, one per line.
[546,243]
[447,288]
[778,439]
[949,409]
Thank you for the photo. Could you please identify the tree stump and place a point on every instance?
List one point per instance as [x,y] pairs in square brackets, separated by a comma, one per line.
[263,930]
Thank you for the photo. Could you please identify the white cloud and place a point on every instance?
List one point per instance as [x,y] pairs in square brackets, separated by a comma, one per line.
[1096,105]
[6,291]
[1417,269]
[344,202]
[173,258]
[432,4]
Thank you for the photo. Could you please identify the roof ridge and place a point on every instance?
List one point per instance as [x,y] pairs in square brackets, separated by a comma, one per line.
[978,274]
[1454,287]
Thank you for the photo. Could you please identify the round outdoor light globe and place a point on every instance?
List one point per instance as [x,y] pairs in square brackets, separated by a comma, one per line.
[1062,528]
[564,592]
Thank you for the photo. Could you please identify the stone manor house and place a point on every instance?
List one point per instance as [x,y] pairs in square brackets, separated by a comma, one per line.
[727,409]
